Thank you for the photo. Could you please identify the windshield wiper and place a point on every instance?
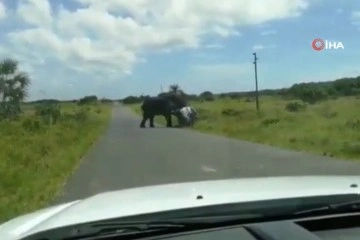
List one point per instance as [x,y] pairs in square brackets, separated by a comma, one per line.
[121,228]
[332,208]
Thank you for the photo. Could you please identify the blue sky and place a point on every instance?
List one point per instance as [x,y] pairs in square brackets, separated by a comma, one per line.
[117,48]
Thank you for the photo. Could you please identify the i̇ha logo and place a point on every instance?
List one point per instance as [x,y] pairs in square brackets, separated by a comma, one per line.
[319,44]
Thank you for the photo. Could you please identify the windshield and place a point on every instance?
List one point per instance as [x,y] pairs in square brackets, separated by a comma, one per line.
[99,96]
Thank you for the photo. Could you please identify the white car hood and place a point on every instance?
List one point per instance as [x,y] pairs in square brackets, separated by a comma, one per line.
[159,198]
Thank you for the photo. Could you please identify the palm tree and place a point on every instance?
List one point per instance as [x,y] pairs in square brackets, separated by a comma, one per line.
[174,88]
[13,87]
[177,95]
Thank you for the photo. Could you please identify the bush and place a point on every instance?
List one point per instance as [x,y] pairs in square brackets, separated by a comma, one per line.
[209,99]
[50,113]
[270,121]
[295,107]
[9,110]
[207,96]
[131,100]
[32,125]
[229,112]
[105,100]
[353,124]
[309,93]
[88,100]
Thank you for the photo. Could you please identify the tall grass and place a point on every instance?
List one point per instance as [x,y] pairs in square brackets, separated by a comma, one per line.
[36,159]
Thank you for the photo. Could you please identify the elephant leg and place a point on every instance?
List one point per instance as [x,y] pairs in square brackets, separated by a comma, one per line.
[152,121]
[143,121]
[168,120]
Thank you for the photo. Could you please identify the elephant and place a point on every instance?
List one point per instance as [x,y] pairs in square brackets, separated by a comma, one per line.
[161,105]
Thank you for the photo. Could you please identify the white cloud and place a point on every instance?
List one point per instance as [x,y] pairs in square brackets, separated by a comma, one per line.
[2,11]
[106,38]
[260,47]
[225,32]
[35,12]
[271,32]
[355,18]
[214,46]
[355,15]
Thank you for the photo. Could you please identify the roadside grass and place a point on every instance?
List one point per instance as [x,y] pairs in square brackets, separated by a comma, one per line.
[36,160]
[330,128]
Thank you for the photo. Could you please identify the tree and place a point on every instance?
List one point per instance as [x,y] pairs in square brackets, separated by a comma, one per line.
[88,100]
[309,92]
[207,96]
[131,100]
[13,88]
[175,88]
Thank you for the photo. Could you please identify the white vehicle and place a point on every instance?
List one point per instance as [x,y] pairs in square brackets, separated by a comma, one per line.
[187,116]
[283,208]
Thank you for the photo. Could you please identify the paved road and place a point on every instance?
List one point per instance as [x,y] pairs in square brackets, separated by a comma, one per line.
[128,156]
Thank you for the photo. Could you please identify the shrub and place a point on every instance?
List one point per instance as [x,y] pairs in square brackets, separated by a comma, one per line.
[229,112]
[270,121]
[353,124]
[207,96]
[295,107]
[88,100]
[32,125]
[50,113]
[131,100]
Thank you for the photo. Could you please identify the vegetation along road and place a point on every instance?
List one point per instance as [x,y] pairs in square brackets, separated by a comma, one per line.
[45,142]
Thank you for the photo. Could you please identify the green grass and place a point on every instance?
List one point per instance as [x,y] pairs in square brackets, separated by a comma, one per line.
[36,163]
[329,128]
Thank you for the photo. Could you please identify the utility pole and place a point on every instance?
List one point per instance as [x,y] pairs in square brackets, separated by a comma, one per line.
[256,83]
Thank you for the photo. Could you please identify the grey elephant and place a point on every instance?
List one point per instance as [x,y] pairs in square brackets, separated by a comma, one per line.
[163,105]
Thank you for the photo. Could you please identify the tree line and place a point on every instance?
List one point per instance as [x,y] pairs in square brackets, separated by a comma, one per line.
[81,101]
[311,93]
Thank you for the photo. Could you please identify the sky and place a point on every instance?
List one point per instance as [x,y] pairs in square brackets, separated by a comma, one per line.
[117,48]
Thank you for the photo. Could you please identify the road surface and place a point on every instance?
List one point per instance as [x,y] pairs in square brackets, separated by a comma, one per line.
[127,156]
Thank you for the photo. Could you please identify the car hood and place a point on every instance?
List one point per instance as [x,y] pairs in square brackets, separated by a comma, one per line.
[150,199]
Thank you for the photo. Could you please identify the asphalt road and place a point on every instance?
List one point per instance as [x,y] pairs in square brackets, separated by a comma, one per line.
[127,156]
